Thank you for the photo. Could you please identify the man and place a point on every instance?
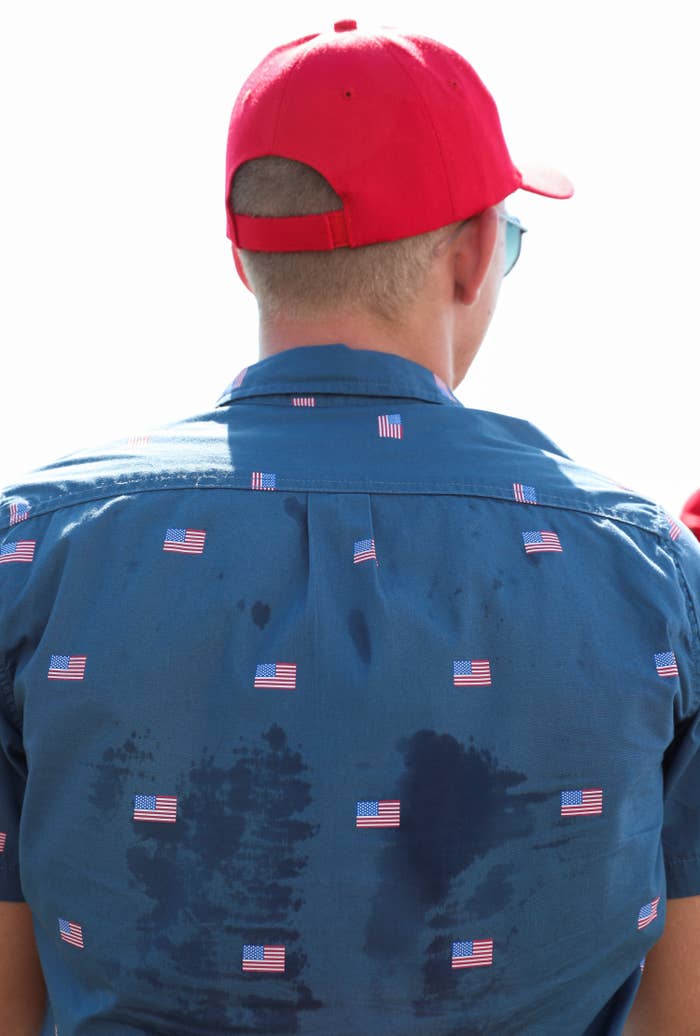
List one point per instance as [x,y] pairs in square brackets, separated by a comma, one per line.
[344,709]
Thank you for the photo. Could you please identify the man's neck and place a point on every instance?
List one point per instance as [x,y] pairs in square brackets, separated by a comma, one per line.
[431,351]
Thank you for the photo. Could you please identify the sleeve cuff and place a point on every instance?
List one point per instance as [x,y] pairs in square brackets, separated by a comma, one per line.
[682,877]
[10,885]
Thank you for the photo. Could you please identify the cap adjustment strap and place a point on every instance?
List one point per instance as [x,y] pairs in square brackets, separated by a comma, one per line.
[320,231]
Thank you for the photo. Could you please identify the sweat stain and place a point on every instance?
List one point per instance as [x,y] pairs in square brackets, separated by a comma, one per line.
[455,808]
[224,874]
[260,614]
[116,767]
[359,631]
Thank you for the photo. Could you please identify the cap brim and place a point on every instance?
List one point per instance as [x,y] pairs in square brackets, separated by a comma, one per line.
[542,179]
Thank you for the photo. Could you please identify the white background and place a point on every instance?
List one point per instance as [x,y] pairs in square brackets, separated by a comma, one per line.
[121,307]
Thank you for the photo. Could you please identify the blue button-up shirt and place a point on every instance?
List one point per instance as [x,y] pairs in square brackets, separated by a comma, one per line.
[345,710]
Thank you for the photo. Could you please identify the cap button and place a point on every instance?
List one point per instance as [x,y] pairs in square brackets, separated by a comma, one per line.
[345,26]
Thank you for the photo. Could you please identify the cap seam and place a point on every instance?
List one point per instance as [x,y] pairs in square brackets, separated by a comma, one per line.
[394,52]
[295,64]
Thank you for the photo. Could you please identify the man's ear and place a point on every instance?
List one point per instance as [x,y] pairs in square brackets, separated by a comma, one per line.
[239,268]
[473,254]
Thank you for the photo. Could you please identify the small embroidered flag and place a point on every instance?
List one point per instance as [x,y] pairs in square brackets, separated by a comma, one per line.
[674,528]
[184,541]
[524,494]
[303,401]
[238,380]
[666,664]
[582,801]
[474,672]
[648,913]
[390,426]
[363,551]
[539,541]
[3,836]
[67,667]
[155,807]
[138,440]
[472,953]
[18,512]
[263,958]
[276,674]
[263,480]
[70,932]
[378,813]
[22,550]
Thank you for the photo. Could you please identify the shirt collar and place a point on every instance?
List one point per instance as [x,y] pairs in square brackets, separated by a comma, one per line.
[339,370]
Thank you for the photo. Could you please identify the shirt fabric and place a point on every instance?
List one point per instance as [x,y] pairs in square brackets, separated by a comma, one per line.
[344,710]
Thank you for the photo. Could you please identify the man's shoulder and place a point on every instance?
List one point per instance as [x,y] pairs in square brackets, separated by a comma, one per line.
[174,454]
[476,453]
[530,467]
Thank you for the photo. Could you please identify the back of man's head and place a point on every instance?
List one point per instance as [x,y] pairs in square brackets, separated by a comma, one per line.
[394,135]
[385,276]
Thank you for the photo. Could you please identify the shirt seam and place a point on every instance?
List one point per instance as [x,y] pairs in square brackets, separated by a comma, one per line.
[8,695]
[348,398]
[187,481]
[681,859]
[338,388]
[692,616]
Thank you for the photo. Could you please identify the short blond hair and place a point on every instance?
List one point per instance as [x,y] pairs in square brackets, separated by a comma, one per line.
[380,279]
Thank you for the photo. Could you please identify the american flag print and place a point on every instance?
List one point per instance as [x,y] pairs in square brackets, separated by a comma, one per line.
[582,802]
[263,480]
[540,540]
[666,665]
[263,958]
[674,529]
[471,672]
[71,932]
[276,674]
[524,494]
[138,440]
[18,513]
[378,813]
[22,550]
[472,953]
[390,426]
[363,550]
[238,380]
[67,667]
[185,541]
[3,836]
[156,807]
[648,913]
[303,400]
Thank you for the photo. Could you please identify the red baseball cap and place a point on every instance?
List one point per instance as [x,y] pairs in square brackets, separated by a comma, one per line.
[400,125]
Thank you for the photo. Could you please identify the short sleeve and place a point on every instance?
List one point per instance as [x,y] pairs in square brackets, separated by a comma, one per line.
[681,831]
[681,764]
[13,781]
